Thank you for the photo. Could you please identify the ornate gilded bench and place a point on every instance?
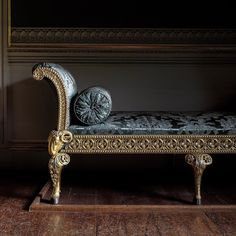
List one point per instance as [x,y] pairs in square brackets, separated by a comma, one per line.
[195,134]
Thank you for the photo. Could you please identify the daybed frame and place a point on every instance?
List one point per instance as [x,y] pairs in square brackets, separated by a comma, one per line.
[62,142]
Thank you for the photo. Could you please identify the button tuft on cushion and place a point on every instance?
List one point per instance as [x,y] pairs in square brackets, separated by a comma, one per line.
[93,105]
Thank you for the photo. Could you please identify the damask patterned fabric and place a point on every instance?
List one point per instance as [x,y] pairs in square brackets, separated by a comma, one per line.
[92,106]
[196,123]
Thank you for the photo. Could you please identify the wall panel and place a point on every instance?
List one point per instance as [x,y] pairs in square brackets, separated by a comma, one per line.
[161,69]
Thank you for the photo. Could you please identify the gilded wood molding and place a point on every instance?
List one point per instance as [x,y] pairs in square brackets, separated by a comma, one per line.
[151,144]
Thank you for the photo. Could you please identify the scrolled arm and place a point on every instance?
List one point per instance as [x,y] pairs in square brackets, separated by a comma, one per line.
[65,86]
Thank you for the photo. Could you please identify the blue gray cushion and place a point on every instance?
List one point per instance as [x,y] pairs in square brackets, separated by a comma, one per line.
[196,123]
[92,106]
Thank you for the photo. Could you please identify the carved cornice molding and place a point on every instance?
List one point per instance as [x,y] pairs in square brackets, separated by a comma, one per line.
[121,36]
[122,45]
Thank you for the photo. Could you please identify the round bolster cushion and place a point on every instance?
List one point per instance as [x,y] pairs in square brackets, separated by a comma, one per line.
[93,105]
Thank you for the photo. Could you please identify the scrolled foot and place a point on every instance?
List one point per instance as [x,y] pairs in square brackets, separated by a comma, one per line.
[55,200]
[197,201]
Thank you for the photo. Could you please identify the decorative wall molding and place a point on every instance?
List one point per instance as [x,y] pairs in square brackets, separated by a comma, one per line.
[121,36]
[87,45]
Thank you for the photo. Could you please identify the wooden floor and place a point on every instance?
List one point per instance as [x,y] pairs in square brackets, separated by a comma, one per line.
[17,193]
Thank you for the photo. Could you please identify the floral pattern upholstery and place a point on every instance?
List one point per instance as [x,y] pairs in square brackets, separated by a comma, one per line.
[128,123]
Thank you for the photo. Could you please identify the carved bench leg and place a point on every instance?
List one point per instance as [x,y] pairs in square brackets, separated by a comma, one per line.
[198,163]
[55,165]
[56,141]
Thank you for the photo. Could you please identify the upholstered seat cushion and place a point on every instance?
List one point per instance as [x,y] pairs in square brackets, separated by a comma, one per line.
[162,123]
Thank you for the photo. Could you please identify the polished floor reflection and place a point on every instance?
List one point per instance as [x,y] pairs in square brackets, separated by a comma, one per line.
[18,191]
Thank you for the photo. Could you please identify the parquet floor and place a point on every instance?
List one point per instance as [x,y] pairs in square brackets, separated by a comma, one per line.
[17,193]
